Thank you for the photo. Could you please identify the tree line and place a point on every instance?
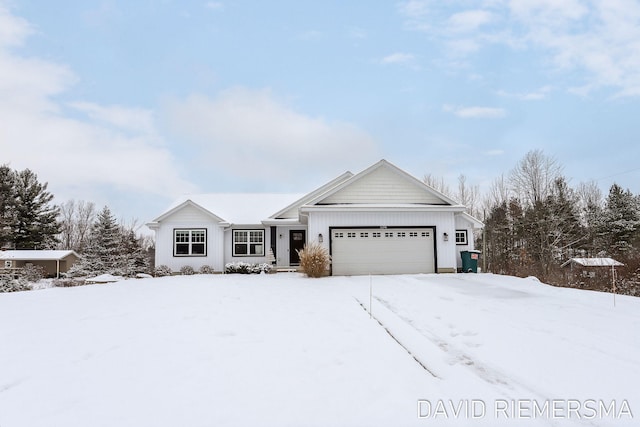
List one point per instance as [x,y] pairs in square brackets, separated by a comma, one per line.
[535,221]
[30,220]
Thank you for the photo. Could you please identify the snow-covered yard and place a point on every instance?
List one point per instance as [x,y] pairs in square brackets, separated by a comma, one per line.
[284,350]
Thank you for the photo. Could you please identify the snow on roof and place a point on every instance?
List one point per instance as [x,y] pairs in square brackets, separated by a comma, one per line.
[240,208]
[594,262]
[36,255]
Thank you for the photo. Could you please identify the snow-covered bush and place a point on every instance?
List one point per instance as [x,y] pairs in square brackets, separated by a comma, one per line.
[12,284]
[314,260]
[261,268]
[68,282]
[187,270]
[206,269]
[162,270]
[32,273]
[246,268]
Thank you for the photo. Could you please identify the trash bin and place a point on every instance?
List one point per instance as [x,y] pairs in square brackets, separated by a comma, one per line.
[470,261]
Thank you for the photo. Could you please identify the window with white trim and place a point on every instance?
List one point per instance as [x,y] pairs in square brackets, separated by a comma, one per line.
[248,242]
[190,242]
[461,237]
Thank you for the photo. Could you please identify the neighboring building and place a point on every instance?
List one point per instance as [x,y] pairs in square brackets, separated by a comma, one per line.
[54,262]
[592,268]
[379,221]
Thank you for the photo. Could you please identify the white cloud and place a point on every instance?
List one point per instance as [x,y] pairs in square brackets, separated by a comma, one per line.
[596,41]
[469,20]
[214,5]
[13,30]
[114,148]
[537,95]
[253,135]
[137,120]
[398,58]
[475,112]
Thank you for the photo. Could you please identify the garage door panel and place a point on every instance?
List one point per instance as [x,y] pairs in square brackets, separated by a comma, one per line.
[382,251]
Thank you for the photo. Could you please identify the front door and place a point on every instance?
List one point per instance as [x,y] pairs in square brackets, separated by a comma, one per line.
[297,239]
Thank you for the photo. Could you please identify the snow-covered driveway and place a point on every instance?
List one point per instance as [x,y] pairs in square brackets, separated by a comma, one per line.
[283,350]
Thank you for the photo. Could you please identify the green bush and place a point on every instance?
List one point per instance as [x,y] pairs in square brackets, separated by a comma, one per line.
[314,260]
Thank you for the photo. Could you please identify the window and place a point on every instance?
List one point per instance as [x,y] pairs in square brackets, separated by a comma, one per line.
[413,234]
[248,242]
[461,237]
[351,235]
[190,242]
[364,234]
[376,234]
[388,234]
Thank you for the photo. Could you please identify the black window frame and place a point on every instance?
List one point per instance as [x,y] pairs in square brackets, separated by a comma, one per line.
[465,233]
[189,242]
[248,244]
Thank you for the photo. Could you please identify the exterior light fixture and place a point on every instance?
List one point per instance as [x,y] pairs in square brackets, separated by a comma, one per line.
[445,237]
[320,238]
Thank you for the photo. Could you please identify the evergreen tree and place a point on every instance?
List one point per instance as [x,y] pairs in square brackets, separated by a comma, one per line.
[103,252]
[111,249]
[35,218]
[7,205]
[135,257]
[619,224]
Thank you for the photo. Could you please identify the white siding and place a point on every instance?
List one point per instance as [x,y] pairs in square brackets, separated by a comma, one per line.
[165,242]
[228,245]
[382,186]
[189,214]
[189,217]
[282,243]
[463,224]
[319,223]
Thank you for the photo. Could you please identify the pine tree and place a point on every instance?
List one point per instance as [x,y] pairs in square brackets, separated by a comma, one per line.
[135,259]
[7,205]
[619,224]
[111,249]
[103,252]
[35,218]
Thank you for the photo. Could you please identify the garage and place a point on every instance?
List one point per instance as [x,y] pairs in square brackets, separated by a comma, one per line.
[397,250]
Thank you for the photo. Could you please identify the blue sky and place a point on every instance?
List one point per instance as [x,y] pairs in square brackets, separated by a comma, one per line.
[133,103]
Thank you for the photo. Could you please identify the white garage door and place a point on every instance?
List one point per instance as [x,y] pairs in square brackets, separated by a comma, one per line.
[382,251]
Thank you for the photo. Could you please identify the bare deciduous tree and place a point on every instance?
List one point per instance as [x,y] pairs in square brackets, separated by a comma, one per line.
[468,195]
[76,219]
[437,184]
[534,176]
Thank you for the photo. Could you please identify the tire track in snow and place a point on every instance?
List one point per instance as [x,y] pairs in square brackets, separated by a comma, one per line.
[432,348]
[415,357]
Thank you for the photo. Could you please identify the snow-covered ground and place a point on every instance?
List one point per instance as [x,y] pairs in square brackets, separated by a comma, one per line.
[284,350]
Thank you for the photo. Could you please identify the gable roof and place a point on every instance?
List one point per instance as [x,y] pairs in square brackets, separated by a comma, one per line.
[475,222]
[382,184]
[36,255]
[231,208]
